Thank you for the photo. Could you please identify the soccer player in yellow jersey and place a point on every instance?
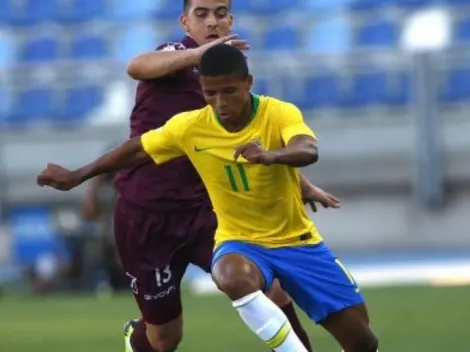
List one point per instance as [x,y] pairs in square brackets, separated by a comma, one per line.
[247,150]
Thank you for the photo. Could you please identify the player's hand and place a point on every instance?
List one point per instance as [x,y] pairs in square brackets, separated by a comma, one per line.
[228,39]
[315,194]
[57,177]
[254,153]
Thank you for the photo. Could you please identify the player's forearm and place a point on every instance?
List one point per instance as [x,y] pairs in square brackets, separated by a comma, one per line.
[161,63]
[127,154]
[297,155]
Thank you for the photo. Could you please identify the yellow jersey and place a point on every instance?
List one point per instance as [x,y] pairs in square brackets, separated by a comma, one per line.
[254,203]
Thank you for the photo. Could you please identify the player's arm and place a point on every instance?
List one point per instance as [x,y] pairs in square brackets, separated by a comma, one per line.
[161,145]
[170,59]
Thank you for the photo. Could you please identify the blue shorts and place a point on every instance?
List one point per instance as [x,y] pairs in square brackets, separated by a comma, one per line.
[312,275]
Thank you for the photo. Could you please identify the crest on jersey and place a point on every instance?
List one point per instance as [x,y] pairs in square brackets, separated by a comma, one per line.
[173,46]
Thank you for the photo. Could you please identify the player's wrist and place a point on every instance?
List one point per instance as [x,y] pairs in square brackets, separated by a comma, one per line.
[194,55]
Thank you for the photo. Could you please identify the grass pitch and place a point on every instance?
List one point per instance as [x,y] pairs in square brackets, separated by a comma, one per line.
[411,319]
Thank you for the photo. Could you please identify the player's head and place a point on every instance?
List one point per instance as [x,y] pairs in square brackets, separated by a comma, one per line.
[225,80]
[206,20]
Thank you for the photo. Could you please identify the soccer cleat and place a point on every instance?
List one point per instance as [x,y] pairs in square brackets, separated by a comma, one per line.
[128,330]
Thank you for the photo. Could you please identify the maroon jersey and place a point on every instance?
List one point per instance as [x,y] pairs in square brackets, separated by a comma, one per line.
[176,184]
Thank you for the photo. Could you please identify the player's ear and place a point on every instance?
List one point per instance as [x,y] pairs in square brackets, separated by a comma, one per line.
[184,23]
[249,81]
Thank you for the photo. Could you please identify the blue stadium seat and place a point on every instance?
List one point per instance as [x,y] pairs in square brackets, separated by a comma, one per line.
[283,37]
[368,88]
[80,101]
[135,40]
[399,90]
[322,91]
[456,86]
[7,50]
[269,7]
[365,5]
[86,10]
[41,49]
[33,104]
[168,9]
[462,32]
[331,36]
[35,11]
[261,86]
[241,6]
[5,105]
[325,7]
[89,47]
[380,33]
[136,10]
[6,11]
[414,3]
[246,34]
[457,2]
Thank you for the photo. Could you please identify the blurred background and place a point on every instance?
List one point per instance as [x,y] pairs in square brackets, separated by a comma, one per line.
[384,83]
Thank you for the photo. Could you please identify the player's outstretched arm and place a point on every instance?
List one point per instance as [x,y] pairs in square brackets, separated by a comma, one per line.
[57,177]
[165,62]
[300,151]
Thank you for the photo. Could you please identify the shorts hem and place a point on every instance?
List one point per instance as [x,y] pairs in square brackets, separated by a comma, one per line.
[320,318]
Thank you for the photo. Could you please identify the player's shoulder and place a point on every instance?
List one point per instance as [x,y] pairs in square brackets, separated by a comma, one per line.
[278,108]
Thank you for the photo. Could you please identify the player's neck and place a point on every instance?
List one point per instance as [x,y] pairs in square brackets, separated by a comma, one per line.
[243,119]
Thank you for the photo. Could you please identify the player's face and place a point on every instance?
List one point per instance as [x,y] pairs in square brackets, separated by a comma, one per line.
[227,95]
[207,20]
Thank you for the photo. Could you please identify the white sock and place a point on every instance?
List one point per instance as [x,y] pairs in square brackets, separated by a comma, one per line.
[267,321]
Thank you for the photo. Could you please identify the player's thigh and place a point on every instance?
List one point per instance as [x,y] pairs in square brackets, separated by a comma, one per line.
[203,231]
[350,327]
[240,269]
[316,280]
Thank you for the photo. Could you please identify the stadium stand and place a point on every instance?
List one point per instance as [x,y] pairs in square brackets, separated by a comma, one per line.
[38,35]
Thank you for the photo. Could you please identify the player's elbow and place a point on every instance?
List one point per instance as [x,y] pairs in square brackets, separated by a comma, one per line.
[311,153]
[136,69]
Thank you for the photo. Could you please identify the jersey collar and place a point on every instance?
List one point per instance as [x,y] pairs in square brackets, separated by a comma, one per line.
[189,42]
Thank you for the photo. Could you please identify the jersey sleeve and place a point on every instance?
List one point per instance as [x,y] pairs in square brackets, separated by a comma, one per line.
[165,143]
[292,124]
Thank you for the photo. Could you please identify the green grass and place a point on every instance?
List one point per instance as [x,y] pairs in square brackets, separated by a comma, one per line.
[406,319]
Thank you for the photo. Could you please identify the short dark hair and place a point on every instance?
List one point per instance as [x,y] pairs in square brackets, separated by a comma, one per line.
[223,59]
[187,3]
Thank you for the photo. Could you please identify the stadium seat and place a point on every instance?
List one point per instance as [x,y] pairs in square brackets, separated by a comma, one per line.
[32,104]
[261,86]
[246,34]
[168,9]
[89,47]
[283,37]
[7,50]
[136,10]
[41,49]
[414,3]
[456,86]
[325,7]
[322,91]
[399,89]
[35,11]
[86,10]
[365,5]
[134,40]
[80,101]
[6,11]
[462,32]
[241,6]
[5,105]
[330,37]
[269,7]
[368,88]
[380,33]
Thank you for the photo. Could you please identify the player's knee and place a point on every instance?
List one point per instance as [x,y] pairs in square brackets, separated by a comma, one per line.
[236,276]
[165,341]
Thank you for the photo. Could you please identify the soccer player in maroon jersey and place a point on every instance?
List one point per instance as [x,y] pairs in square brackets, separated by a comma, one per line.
[163,217]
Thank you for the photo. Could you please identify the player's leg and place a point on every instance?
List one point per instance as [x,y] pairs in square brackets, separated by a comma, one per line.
[201,255]
[242,272]
[276,294]
[157,291]
[320,284]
